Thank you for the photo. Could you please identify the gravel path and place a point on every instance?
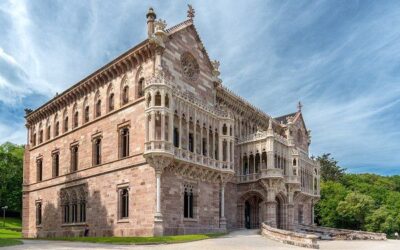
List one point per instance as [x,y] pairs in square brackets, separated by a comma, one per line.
[240,240]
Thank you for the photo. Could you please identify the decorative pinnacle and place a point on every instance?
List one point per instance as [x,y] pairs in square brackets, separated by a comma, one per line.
[191,12]
[151,13]
[299,106]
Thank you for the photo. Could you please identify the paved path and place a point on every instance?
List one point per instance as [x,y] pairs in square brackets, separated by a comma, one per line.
[240,240]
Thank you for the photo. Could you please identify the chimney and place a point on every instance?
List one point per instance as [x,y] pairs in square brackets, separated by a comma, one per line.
[151,17]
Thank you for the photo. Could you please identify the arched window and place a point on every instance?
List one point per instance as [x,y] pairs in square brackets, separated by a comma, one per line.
[98,108]
[188,202]
[158,99]
[111,102]
[87,114]
[76,119]
[66,124]
[57,129]
[125,95]
[294,162]
[40,136]
[48,132]
[97,151]
[124,142]
[224,129]
[140,87]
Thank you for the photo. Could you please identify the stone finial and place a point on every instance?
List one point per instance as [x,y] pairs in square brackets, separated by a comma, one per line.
[299,106]
[191,12]
[28,111]
[159,26]
[151,17]
[215,65]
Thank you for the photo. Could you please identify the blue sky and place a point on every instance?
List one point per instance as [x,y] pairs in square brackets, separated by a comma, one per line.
[340,58]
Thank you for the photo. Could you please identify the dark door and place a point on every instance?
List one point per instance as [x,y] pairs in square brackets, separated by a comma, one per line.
[247,215]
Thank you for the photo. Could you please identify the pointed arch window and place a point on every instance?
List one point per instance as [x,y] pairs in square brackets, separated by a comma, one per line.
[97,151]
[57,129]
[76,119]
[48,132]
[87,114]
[66,124]
[125,95]
[158,99]
[123,203]
[140,87]
[39,170]
[111,102]
[188,203]
[98,108]
[56,164]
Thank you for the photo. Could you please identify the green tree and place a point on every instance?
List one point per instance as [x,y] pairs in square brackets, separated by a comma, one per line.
[330,171]
[355,208]
[11,161]
[326,209]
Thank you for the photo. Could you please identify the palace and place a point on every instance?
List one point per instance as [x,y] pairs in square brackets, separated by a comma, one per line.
[153,143]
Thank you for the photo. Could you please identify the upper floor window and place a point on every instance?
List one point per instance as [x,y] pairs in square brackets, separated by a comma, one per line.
[176,137]
[39,170]
[66,124]
[86,114]
[97,151]
[40,136]
[124,142]
[48,132]
[56,164]
[57,129]
[76,119]
[38,213]
[34,139]
[140,87]
[74,158]
[111,102]
[157,99]
[166,101]
[123,203]
[98,108]
[125,95]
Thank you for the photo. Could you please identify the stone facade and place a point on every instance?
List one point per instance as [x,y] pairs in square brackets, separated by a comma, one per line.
[153,143]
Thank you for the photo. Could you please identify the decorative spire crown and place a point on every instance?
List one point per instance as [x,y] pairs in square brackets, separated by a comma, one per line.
[191,12]
[299,106]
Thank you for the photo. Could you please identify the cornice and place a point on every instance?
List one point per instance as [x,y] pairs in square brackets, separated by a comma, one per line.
[128,60]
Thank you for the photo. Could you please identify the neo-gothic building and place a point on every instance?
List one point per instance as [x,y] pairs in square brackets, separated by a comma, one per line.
[153,143]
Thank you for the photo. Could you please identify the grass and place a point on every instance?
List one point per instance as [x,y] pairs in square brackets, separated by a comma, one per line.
[10,234]
[142,240]
[11,223]
[9,242]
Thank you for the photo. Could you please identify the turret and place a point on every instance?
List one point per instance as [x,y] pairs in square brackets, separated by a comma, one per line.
[151,17]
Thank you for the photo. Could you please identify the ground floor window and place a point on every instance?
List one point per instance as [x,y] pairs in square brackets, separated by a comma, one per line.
[300,214]
[123,203]
[73,202]
[188,202]
[38,213]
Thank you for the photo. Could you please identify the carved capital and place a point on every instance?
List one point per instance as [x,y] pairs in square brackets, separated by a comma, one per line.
[159,162]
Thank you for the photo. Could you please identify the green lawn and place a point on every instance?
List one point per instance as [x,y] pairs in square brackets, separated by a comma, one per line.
[11,223]
[9,242]
[142,240]
[11,233]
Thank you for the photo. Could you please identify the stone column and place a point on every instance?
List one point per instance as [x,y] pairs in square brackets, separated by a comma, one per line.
[271,208]
[222,221]
[180,132]
[159,163]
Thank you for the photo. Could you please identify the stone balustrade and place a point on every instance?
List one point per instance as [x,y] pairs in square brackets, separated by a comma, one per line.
[327,233]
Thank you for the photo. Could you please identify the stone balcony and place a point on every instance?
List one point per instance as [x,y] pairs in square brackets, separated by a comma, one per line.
[166,148]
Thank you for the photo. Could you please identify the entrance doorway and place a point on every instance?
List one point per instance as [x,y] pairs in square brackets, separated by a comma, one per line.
[252,212]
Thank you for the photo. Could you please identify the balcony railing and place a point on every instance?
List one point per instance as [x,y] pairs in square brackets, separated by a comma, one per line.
[199,159]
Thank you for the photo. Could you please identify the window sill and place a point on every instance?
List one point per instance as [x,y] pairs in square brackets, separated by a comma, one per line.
[190,220]
[125,220]
[73,224]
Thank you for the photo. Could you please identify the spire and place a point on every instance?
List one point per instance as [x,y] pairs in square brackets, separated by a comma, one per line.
[299,107]
[151,17]
[190,12]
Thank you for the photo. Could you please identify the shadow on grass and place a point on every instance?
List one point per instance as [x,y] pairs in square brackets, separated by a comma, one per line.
[141,240]
[9,242]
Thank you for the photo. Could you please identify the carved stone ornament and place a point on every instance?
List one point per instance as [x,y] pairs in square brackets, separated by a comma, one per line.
[190,66]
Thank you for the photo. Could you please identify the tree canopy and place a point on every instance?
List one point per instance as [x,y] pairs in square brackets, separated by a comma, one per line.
[11,161]
[357,201]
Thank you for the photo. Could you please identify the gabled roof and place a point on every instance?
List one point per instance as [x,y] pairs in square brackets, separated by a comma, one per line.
[283,119]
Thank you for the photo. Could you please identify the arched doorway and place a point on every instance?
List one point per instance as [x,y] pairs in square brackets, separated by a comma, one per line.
[281,212]
[250,210]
